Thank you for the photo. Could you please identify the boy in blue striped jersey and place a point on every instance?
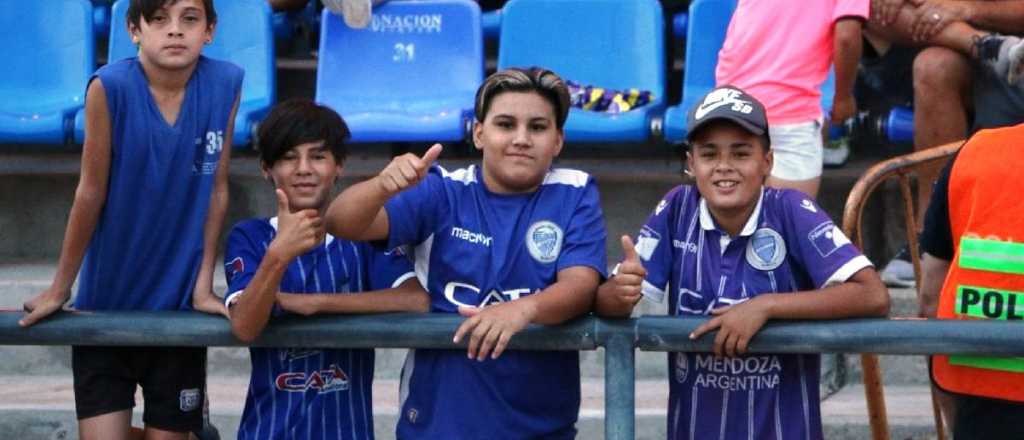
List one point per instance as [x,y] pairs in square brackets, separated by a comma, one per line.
[288,264]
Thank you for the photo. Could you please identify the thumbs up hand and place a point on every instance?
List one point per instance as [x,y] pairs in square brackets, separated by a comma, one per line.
[626,284]
[297,232]
[407,170]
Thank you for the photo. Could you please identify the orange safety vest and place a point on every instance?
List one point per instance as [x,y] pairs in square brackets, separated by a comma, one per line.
[986,277]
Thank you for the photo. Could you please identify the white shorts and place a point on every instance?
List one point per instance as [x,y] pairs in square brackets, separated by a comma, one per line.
[797,150]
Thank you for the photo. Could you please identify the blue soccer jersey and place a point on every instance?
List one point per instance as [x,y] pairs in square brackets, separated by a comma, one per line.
[788,245]
[148,244]
[310,393]
[473,247]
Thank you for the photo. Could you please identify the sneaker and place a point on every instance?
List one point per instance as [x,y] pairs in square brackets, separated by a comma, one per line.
[1002,54]
[900,270]
[836,153]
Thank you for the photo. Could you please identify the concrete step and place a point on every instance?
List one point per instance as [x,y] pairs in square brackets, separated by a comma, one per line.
[42,407]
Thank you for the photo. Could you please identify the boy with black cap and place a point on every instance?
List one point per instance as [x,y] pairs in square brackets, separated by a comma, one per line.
[731,248]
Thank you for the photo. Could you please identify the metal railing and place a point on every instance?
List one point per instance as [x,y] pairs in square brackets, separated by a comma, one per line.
[619,338]
[903,169]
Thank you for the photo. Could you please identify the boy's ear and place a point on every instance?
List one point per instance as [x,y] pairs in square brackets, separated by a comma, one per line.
[265,171]
[211,29]
[133,31]
[688,162]
[477,132]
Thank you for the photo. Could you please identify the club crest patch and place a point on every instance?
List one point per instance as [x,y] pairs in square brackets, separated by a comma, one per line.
[188,400]
[544,241]
[682,367]
[766,250]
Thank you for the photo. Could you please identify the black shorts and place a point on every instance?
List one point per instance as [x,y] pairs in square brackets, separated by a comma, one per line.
[985,419]
[173,381]
[996,103]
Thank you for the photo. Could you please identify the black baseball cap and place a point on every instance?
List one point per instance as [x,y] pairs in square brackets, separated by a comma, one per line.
[729,103]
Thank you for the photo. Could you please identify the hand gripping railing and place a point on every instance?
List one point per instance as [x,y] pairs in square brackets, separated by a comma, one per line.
[901,168]
[620,338]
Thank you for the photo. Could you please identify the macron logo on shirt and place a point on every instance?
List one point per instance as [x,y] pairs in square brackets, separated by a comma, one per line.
[472,237]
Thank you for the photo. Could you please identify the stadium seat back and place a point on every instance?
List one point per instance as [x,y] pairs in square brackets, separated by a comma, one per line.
[612,44]
[244,35]
[50,54]
[709,21]
[412,74]
[608,43]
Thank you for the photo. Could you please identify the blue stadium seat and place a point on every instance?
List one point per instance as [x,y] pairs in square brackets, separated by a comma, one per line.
[411,75]
[706,29]
[50,54]
[613,44]
[244,36]
[491,22]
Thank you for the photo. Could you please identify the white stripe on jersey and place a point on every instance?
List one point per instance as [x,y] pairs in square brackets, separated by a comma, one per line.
[273,402]
[700,257]
[566,176]
[360,284]
[803,392]
[693,413]
[725,414]
[679,405]
[351,403]
[402,279]
[750,414]
[403,386]
[302,273]
[422,261]
[778,418]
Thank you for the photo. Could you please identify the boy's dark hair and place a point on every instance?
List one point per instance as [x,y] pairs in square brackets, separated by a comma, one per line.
[534,79]
[298,121]
[144,9]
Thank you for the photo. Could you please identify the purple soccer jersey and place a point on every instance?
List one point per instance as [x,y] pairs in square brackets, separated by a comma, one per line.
[788,245]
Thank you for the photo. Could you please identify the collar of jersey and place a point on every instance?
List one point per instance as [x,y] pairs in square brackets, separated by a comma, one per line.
[707,222]
[327,239]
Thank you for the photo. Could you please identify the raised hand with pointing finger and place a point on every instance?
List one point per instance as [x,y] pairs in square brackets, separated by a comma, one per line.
[618,295]
[407,170]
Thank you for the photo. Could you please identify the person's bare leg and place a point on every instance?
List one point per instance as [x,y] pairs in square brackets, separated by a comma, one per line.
[160,434]
[942,97]
[110,426]
[809,187]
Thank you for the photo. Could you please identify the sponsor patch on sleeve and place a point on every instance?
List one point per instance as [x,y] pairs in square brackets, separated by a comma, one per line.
[234,267]
[647,242]
[827,238]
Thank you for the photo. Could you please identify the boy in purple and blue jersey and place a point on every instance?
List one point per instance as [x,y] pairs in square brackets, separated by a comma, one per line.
[730,248]
[288,265]
[507,243]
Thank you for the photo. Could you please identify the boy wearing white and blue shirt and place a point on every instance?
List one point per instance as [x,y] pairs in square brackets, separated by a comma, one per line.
[288,265]
[731,248]
[505,244]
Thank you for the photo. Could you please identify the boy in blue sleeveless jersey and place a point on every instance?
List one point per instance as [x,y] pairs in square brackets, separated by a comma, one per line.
[286,264]
[743,254]
[147,214]
[506,244]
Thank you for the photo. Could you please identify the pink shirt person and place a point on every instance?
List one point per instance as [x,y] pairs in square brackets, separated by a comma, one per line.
[780,52]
